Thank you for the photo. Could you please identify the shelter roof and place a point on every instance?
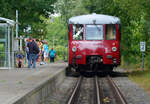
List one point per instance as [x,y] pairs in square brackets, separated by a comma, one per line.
[94,19]
[10,22]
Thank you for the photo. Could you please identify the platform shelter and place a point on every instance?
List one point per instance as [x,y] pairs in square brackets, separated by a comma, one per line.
[6,43]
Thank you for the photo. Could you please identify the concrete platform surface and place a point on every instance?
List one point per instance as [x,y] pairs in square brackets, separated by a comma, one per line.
[18,82]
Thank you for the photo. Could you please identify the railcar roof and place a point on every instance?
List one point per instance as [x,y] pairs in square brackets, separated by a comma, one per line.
[94,19]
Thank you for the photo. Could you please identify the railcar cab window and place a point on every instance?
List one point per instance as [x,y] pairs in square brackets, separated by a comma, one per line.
[94,32]
[110,32]
[77,32]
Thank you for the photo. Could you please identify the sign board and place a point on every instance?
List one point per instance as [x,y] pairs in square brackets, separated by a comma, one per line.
[15,45]
[142,46]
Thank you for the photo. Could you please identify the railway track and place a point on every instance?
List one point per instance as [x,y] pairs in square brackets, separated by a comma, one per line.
[117,93]
[96,92]
[74,96]
[77,90]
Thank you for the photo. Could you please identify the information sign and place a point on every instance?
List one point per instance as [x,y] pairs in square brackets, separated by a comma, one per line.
[142,46]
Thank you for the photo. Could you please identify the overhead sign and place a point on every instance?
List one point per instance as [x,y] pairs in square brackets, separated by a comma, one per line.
[142,46]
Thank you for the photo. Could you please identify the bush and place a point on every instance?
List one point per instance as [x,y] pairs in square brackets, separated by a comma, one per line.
[61,51]
[147,61]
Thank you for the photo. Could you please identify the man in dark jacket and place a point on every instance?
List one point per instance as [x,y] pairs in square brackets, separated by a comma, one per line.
[33,52]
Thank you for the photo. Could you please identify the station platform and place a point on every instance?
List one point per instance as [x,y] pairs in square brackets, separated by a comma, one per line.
[30,86]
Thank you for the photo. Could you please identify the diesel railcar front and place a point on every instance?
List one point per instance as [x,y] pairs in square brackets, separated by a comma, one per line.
[94,42]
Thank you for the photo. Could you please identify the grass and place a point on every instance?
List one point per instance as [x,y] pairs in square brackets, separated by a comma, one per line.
[142,78]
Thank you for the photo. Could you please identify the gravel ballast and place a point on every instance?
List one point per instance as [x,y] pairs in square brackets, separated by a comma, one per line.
[131,91]
[62,93]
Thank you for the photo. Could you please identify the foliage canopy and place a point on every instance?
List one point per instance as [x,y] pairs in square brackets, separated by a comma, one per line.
[30,13]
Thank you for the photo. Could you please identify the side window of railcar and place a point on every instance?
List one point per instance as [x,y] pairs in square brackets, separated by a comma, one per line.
[77,32]
[110,32]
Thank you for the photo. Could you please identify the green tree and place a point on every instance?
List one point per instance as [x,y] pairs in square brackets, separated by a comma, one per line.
[30,12]
[69,8]
[57,36]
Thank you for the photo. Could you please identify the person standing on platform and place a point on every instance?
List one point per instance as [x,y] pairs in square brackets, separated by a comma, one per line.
[45,46]
[52,55]
[41,53]
[33,52]
[27,48]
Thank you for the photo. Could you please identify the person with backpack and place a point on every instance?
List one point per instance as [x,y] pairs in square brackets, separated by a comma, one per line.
[52,55]
[33,52]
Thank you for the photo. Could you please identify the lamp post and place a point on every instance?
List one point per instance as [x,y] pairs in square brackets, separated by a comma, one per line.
[17,28]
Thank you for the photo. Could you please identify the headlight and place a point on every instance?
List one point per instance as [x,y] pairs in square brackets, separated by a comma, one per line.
[74,49]
[114,49]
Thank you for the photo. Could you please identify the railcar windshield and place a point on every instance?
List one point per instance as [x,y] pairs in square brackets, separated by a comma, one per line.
[94,32]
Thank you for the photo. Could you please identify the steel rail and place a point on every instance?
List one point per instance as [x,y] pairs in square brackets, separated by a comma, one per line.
[74,96]
[98,98]
[119,96]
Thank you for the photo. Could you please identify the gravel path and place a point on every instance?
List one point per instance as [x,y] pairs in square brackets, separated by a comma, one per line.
[132,92]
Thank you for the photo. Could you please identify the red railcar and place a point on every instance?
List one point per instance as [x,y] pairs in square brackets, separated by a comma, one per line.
[94,42]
